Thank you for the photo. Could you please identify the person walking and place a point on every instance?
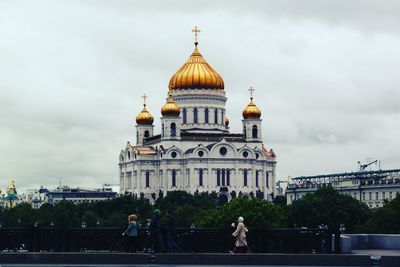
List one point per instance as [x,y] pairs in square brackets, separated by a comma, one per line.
[240,236]
[171,232]
[157,243]
[131,234]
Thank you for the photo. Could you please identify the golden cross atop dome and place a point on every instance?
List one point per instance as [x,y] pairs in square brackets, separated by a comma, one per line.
[251,90]
[144,99]
[196,30]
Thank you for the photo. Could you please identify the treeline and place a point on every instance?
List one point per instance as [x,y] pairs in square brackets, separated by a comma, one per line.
[324,208]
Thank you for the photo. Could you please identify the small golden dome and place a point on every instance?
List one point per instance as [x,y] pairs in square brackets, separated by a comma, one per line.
[144,117]
[251,111]
[11,188]
[226,121]
[196,73]
[170,108]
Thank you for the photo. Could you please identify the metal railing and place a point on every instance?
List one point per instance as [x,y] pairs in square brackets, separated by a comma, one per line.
[288,240]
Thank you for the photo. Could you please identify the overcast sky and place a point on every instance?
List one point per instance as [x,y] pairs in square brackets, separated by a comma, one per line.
[326,75]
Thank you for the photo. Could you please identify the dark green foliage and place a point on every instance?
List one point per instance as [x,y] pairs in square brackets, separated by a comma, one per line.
[280,201]
[45,214]
[66,214]
[257,214]
[384,220]
[21,215]
[90,218]
[187,208]
[327,206]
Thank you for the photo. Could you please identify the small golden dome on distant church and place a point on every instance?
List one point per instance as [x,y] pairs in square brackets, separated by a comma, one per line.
[251,111]
[196,73]
[11,188]
[144,117]
[170,108]
[226,121]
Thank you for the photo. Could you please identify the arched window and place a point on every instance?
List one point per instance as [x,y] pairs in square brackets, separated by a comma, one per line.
[173,129]
[244,177]
[147,179]
[244,131]
[254,131]
[129,155]
[218,177]
[266,179]
[216,116]
[195,116]
[200,177]
[206,115]
[222,116]
[162,130]
[228,177]
[146,134]
[256,178]
[184,115]
[173,178]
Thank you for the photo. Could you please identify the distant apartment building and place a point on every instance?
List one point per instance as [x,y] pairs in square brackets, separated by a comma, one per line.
[78,195]
[37,197]
[369,187]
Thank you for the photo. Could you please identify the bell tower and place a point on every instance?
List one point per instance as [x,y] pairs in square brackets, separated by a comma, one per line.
[144,124]
[251,120]
[170,120]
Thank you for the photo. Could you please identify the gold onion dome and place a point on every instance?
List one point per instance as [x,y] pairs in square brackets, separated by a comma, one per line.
[170,108]
[196,73]
[251,111]
[144,117]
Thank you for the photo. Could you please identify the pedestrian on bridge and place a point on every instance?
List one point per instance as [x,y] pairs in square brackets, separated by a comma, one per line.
[131,234]
[240,237]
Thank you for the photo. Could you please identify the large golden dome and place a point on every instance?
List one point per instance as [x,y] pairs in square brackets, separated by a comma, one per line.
[170,108]
[144,117]
[196,73]
[251,111]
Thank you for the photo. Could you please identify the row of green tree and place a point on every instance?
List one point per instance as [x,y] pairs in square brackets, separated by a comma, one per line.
[323,208]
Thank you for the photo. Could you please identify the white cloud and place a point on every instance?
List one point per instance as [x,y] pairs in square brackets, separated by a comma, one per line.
[71,72]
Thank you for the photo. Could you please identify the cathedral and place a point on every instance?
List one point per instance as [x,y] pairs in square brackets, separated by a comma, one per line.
[195,151]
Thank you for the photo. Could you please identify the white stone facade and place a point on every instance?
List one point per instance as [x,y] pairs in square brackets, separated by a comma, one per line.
[204,157]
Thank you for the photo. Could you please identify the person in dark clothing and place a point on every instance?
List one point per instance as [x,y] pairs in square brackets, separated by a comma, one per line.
[131,234]
[171,233]
[157,243]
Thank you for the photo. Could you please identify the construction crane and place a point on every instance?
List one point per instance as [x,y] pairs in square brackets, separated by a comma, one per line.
[364,166]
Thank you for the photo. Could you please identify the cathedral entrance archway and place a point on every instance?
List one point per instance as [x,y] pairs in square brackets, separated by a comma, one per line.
[224,196]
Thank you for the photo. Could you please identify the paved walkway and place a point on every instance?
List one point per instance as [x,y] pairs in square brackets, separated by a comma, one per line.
[377,253]
[75,259]
[149,265]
